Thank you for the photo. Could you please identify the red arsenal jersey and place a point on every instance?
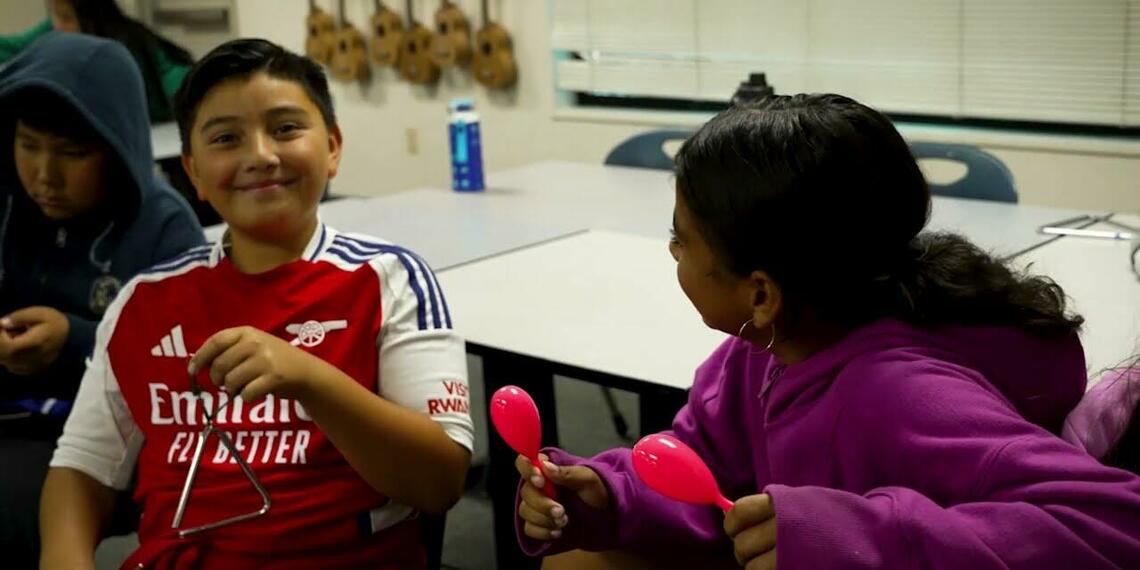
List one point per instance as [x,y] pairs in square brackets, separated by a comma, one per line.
[372,309]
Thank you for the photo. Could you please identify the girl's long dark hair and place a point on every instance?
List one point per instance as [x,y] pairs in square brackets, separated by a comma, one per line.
[103,18]
[1126,453]
[823,194]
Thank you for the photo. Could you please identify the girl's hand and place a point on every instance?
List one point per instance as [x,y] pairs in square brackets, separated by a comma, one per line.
[544,518]
[751,524]
[252,363]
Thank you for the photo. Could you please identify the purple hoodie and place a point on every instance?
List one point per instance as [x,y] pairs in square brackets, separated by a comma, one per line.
[1102,417]
[897,447]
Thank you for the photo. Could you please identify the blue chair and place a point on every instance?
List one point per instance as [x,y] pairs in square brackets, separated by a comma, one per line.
[987,178]
[646,149]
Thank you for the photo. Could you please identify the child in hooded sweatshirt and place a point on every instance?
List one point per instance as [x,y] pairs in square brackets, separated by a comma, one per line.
[887,399]
[81,212]
[327,358]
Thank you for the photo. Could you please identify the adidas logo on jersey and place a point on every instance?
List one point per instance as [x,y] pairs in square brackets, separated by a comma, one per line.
[171,345]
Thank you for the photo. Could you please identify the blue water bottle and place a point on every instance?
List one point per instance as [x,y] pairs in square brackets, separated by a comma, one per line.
[466,146]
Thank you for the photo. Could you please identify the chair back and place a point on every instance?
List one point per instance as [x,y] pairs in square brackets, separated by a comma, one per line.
[987,177]
[646,150]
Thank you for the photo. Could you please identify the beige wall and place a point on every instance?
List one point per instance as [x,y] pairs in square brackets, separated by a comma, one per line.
[19,15]
[380,119]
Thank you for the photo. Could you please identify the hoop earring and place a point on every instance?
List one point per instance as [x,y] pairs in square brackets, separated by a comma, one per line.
[771,339]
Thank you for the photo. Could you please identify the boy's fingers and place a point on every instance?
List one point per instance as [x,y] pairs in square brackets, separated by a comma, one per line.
[234,380]
[255,390]
[214,346]
[230,360]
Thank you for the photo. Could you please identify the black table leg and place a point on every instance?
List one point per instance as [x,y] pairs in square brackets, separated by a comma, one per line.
[502,479]
[658,407]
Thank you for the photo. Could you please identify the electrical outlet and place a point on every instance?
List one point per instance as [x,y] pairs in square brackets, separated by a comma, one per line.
[412,140]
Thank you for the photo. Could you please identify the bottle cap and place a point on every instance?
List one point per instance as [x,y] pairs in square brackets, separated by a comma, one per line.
[461,105]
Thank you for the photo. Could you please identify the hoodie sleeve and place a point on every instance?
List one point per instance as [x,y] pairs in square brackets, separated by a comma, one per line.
[80,341]
[642,518]
[978,487]
[11,46]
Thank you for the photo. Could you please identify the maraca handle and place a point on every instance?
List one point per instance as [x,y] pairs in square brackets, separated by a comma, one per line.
[723,503]
[548,487]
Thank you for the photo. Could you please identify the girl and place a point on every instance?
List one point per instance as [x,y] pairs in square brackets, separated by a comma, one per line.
[163,63]
[888,399]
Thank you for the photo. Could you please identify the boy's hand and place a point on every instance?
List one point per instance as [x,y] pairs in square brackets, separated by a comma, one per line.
[544,517]
[252,363]
[751,524]
[31,339]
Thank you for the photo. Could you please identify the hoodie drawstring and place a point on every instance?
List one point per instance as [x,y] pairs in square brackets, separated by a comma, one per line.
[104,266]
[4,234]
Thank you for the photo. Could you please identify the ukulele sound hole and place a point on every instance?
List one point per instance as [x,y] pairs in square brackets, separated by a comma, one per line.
[313,31]
[486,47]
[343,46]
[443,28]
[380,31]
[412,48]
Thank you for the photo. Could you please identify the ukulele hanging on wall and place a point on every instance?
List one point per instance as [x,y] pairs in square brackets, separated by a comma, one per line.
[451,44]
[350,56]
[416,65]
[494,65]
[387,31]
[321,30]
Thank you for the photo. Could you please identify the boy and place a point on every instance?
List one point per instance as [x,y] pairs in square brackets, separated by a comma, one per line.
[330,358]
[81,212]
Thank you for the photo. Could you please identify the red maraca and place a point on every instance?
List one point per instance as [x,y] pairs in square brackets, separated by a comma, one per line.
[516,419]
[676,471]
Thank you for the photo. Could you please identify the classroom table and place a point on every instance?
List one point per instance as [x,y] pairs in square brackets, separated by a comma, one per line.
[546,200]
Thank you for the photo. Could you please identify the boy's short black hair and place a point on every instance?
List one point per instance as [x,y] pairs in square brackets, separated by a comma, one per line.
[46,112]
[243,58]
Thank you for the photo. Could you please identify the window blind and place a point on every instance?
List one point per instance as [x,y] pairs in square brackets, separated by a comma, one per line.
[1061,61]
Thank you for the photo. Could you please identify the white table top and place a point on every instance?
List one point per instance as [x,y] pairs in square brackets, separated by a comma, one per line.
[549,199]
[598,300]
[609,302]
[640,201]
[445,228]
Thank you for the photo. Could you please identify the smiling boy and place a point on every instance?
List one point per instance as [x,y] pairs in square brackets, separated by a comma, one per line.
[324,348]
